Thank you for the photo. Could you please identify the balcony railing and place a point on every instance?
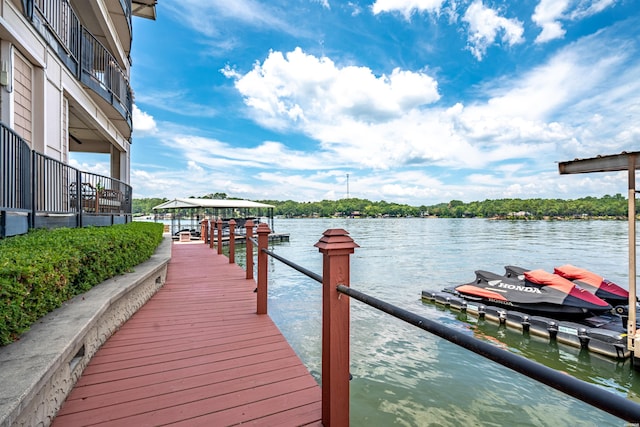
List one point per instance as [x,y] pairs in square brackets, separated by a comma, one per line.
[81,52]
[38,191]
[15,171]
[101,72]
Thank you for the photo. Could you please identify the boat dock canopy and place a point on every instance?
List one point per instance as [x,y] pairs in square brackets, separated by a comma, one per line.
[608,163]
[210,203]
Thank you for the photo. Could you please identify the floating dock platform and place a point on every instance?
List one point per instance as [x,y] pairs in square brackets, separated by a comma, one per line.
[604,335]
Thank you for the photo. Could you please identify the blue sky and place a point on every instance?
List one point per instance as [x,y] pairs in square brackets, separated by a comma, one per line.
[418,101]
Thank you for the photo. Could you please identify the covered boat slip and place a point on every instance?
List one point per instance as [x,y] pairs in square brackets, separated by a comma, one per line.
[186,214]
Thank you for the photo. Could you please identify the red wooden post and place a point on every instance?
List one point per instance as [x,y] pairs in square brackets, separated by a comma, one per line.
[336,246]
[211,228]
[248,226]
[232,241]
[204,229]
[263,242]
[219,236]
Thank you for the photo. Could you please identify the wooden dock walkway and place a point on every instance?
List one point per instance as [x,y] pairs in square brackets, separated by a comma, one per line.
[196,354]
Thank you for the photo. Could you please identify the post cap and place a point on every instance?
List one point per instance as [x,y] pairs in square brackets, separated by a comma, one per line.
[263,228]
[336,239]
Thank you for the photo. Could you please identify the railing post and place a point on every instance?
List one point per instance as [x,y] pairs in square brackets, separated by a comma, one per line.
[248,226]
[263,242]
[32,188]
[232,241]
[204,228]
[336,246]
[79,211]
[219,223]
[211,228]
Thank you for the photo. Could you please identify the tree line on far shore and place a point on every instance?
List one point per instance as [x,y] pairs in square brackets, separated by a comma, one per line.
[610,207]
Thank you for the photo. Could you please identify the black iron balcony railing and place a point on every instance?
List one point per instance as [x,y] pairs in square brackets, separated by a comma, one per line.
[15,171]
[53,194]
[82,52]
[101,72]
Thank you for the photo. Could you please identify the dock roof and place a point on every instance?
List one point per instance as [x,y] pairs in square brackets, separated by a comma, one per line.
[210,203]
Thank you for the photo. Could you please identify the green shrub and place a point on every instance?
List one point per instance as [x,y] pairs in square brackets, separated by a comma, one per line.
[44,268]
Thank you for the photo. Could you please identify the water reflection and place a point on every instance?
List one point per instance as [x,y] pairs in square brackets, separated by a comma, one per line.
[405,376]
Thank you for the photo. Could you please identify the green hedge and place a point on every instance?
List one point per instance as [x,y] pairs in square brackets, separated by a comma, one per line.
[44,268]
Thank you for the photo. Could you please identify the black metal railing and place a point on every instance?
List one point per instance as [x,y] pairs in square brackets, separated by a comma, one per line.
[49,190]
[50,185]
[62,22]
[593,395]
[98,65]
[83,54]
[15,171]
[111,195]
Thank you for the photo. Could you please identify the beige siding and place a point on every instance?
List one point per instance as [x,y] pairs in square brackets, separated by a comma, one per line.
[23,97]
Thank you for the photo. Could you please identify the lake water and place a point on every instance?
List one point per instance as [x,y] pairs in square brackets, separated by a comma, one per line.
[407,377]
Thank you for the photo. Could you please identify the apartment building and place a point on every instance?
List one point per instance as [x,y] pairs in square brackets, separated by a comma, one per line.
[65,87]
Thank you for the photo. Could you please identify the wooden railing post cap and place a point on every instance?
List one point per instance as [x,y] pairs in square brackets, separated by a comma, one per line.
[248,224]
[219,221]
[336,239]
[232,221]
[263,228]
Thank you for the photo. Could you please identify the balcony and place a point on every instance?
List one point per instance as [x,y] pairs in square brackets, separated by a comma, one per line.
[37,191]
[85,55]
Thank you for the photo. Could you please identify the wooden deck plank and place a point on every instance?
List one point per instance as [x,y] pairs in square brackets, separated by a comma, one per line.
[81,392]
[186,389]
[198,354]
[173,352]
[104,394]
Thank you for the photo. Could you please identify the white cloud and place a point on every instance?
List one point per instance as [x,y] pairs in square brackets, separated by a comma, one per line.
[211,18]
[384,122]
[90,162]
[549,15]
[143,123]
[300,88]
[354,7]
[177,102]
[324,3]
[546,16]
[407,7]
[485,23]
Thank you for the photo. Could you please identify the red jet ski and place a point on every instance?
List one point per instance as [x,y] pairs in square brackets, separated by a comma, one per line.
[595,284]
[539,292]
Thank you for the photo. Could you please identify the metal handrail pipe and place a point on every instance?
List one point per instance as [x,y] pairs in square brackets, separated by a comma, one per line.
[308,273]
[588,393]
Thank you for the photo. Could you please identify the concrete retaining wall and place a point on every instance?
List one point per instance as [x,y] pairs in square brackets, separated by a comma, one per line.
[38,371]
